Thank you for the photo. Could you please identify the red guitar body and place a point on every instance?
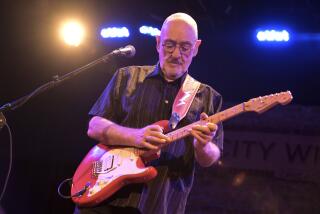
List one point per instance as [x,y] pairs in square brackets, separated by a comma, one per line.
[105,170]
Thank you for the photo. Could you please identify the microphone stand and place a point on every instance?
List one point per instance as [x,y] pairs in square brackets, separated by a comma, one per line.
[128,51]
[56,80]
[53,83]
[2,120]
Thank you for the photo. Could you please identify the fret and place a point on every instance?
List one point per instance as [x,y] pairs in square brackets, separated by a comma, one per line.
[136,151]
[226,114]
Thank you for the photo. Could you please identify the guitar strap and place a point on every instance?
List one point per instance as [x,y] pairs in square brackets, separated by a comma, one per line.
[183,100]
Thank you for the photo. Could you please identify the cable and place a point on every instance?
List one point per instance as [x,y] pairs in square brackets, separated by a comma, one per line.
[10,163]
[78,194]
[60,185]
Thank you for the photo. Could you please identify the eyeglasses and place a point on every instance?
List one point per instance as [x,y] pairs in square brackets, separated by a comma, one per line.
[184,47]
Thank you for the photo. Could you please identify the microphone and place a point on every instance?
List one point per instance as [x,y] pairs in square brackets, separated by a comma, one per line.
[128,51]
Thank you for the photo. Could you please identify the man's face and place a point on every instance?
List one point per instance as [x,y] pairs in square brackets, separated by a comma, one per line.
[176,45]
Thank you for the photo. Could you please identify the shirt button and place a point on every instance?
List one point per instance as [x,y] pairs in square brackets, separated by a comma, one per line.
[166,101]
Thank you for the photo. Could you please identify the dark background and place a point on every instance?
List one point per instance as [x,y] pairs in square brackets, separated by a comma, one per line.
[49,132]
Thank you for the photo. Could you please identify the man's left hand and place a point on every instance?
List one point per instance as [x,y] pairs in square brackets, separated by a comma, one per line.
[204,133]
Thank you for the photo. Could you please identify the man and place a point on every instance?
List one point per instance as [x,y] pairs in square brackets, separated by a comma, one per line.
[138,96]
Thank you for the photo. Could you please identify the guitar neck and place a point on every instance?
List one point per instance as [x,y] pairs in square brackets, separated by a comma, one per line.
[216,118]
[259,105]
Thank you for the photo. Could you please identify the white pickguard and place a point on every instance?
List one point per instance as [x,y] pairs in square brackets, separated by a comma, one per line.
[124,163]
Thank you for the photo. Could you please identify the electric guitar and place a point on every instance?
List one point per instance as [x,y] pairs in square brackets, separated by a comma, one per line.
[106,169]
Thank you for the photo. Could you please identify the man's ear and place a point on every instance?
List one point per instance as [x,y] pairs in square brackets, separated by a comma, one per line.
[158,43]
[196,47]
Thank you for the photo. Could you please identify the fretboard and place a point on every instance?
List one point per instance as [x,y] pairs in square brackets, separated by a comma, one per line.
[216,118]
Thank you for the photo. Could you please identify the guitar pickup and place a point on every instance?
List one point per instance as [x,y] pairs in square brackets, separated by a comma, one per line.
[103,166]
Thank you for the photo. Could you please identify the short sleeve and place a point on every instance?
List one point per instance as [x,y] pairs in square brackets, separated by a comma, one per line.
[108,104]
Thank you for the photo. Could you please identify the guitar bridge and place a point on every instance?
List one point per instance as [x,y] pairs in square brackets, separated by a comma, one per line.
[103,166]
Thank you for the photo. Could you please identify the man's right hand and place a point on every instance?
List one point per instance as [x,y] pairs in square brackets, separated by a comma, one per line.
[150,137]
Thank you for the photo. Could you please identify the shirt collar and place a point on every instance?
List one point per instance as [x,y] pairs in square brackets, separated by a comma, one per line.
[155,72]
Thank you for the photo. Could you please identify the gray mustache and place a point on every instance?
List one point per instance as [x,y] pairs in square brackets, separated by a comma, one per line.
[175,61]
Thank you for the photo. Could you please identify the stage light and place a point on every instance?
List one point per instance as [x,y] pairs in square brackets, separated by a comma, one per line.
[115,32]
[149,30]
[72,33]
[273,36]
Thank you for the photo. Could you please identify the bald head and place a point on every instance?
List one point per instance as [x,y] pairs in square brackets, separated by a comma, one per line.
[181,17]
[177,44]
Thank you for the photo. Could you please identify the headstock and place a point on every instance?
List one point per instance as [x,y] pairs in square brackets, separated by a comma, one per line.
[261,104]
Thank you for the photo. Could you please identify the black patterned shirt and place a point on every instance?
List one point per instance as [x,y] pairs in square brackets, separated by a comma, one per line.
[138,96]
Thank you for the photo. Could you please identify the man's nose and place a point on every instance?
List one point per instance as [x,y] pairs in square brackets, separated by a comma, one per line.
[176,52]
